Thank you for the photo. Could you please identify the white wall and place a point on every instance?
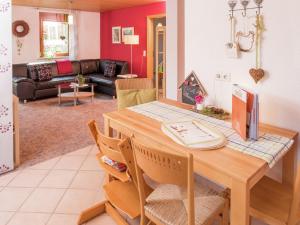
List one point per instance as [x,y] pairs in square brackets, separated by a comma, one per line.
[88,34]
[207,31]
[171,49]
[6,119]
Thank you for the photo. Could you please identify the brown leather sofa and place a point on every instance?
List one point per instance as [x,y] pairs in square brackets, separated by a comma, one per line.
[26,87]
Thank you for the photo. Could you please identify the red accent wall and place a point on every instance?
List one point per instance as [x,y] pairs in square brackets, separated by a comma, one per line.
[131,17]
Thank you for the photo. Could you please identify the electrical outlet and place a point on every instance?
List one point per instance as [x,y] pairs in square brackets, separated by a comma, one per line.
[226,77]
[144,53]
[218,76]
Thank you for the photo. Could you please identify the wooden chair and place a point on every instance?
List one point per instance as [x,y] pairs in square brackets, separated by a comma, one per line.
[140,83]
[121,192]
[177,200]
[275,203]
[129,84]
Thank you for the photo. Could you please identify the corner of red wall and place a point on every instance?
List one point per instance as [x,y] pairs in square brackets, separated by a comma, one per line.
[130,17]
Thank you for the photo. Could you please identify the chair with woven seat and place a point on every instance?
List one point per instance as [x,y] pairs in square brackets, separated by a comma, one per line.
[275,203]
[177,200]
[132,92]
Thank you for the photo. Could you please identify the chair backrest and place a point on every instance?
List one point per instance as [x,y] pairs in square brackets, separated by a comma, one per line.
[127,152]
[127,84]
[106,145]
[164,168]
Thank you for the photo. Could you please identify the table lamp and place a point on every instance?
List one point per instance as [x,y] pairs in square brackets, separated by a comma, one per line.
[131,40]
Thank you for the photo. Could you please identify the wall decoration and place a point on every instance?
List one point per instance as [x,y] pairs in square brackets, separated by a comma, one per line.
[20,28]
[127,31]
[258,73]
[4,168]
[245,41]
[19,46]
[191,88]
[4,128]
[5,67]
[4,6]
[3,111]
[116,35]
[3,50]
[6,113]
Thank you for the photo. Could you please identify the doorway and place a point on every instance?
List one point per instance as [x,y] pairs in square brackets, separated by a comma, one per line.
[156,51]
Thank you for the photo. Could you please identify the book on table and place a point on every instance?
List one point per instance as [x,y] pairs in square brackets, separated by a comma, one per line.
[245,112]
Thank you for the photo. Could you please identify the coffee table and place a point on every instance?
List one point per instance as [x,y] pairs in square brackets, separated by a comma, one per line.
[76,94]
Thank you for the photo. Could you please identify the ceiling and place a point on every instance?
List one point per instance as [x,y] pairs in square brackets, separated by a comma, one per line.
[84,5]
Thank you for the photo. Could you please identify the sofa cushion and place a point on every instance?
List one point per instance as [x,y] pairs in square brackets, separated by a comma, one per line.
[65,79]
[44,72]
[127,98]
[64,66]
[32,72]
[110,70]
[101,79]
[121,66]
[146,95]
[88,66]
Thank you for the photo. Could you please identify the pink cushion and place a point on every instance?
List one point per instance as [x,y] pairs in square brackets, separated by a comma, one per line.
[64,66]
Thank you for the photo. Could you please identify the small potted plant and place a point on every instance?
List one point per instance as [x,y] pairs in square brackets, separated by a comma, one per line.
[199,99]
[80,79]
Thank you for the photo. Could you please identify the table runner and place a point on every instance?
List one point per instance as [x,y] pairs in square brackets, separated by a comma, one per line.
[268,147]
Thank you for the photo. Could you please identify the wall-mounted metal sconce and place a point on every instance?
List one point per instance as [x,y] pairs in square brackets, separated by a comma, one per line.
[232,4]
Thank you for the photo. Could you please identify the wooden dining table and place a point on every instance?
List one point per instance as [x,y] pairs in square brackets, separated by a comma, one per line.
[230,168]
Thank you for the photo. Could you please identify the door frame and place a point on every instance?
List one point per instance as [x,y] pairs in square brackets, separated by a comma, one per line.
[150,43]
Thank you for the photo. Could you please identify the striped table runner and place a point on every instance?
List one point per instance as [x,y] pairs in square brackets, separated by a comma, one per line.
[268,147]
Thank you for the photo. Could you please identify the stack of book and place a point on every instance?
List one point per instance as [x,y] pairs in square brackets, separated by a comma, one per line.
[121,167]
[245,113]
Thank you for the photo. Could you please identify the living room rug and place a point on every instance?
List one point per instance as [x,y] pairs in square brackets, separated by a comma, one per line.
[48,130]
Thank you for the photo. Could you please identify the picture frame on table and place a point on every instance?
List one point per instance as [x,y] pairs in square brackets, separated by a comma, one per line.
[127,31]
[116,35]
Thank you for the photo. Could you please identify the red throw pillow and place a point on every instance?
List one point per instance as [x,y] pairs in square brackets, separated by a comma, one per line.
[64,66]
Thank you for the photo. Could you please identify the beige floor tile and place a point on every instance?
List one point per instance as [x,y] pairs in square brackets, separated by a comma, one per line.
[94,151]
[46,165]
[83,152]
[5,217]
[103,219]
[88,180]
[29,219]
[63,219]
[43,200]
[100,197]
[70,162]
[28,178]
[90,163]
[8,177]
[12,198]
[58,179]
[74,201]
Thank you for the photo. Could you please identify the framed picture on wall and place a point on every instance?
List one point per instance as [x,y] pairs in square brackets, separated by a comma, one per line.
[116,35]
[127,31]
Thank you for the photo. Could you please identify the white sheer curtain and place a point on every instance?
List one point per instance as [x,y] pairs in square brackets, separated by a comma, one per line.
[73,45]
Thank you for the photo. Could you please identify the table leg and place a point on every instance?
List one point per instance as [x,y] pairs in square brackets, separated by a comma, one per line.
[59,95]
[289,165]
[240,200]
[93,93]
[108,131]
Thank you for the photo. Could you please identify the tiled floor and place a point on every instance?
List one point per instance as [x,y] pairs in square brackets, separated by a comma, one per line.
[54,192]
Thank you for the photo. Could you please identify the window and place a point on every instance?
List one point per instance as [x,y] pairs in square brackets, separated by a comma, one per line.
[54,35]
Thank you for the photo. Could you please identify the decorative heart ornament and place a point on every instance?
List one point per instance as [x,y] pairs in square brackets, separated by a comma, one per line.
[257,74]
